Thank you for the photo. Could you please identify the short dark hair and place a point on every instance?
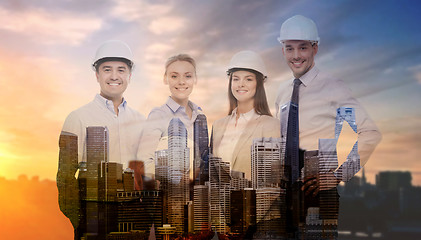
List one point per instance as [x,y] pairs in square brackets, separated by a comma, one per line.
[109,59]
[261,106]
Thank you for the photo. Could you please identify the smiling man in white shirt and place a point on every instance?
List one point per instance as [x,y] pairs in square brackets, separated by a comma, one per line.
[113,69]
[318,96]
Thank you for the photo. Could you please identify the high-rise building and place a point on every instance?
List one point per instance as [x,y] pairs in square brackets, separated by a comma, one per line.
[219,194]
[313,226]
[328,196]
[239,181]
[352,165]
[393,180]
[201,208]
[265,155]
[162,175]
[110,206]
[286,174]
[66,182]
[92,212]
[243,210]
[268,211]
[328,162]
[97,152]
[138,210]
[110,181]
[284,125]
[83,169]
[188,217]
[201,150]
[178,166]
[345,114]
[128,180]
[267,172]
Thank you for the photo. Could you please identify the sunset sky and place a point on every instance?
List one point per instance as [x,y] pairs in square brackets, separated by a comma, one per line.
[46,48]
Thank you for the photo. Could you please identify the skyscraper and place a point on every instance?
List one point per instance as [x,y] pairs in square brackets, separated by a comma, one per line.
[138,210]
[265,153]
[268,211]
[219,194]
[128,180]
[96,151]
[110,181]
[393,180]
[162,175]
[201,208]
[284,124]
[201,150]
[352,165]
[239,181]
[66,182]
[178,159]
[243,210]
[328,196]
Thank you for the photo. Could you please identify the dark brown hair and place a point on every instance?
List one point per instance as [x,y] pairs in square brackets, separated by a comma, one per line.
[260,102]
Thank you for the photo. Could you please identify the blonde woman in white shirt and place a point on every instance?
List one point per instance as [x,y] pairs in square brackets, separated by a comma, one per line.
[180,76]
[248,117]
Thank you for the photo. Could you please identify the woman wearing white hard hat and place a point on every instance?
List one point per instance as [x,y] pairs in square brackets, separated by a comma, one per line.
[180,76]
[249,116]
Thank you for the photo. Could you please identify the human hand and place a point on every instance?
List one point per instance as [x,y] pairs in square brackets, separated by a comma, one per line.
[323,181]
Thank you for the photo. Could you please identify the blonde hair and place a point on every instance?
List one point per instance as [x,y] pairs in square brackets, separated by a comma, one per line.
[180,57]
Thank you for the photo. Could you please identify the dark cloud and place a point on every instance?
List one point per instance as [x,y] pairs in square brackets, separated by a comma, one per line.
[375,70]
[226,26]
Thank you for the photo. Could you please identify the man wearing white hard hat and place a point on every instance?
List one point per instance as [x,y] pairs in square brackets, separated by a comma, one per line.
[113,65]
[312,107]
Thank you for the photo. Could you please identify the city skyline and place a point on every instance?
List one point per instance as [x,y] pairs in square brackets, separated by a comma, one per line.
[46,51]
[221,183]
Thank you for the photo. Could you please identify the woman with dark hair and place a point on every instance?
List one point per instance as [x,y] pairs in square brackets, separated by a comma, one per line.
[248,117]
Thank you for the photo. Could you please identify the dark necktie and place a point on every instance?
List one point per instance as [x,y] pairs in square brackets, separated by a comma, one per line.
[292,139]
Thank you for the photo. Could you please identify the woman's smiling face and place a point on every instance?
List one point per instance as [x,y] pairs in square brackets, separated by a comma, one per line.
[243,85]
[180,77]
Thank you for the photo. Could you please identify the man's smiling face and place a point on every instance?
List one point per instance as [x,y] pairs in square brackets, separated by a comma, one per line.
[113,78]
[299,55]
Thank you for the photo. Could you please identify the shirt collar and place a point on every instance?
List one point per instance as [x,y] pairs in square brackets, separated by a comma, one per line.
[174,106]
[309,76]
[247,116]
[109,104]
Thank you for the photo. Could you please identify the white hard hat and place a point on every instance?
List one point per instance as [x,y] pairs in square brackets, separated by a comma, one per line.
[248,60]
[299,28]
[113,49]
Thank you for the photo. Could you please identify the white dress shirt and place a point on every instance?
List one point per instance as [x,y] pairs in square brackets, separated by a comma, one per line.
[235,128]
[155,134]
[124,129]
[320,96]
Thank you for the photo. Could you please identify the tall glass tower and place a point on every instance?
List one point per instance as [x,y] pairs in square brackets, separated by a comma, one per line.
[219,194]
[201,150]
[178,160]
